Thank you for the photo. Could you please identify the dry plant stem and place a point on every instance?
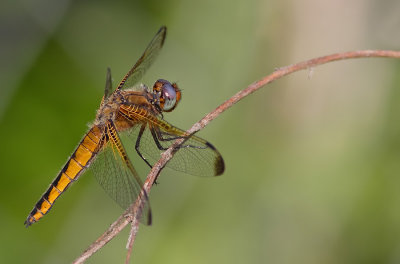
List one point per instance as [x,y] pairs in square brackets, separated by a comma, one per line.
[131,239]
[128,217]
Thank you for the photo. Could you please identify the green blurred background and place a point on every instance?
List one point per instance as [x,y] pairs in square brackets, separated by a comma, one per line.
[312,161]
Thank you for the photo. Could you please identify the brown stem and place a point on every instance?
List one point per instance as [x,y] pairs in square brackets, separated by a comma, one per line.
[128,217]
[131,239]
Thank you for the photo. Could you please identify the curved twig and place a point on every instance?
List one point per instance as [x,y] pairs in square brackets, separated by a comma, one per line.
[129,217]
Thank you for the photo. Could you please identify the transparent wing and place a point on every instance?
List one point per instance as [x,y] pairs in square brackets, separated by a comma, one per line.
[197,156]
[108,87]
[144,62]
[119,179]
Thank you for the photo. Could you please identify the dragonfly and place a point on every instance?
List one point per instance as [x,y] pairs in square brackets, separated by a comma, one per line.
[131,116]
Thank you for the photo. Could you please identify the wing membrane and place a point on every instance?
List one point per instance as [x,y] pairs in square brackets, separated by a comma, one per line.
[115,173]
[144,62]
[196,156]
[108,87]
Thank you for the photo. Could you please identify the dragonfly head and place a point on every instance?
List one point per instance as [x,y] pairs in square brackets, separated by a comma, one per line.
[166,95]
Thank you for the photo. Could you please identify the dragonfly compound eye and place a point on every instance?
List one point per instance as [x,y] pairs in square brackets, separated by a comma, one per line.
[169,94]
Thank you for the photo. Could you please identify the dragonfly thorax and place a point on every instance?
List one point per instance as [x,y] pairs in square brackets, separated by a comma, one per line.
[109,108]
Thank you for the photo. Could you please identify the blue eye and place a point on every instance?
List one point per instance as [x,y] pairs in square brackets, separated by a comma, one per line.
[169,94]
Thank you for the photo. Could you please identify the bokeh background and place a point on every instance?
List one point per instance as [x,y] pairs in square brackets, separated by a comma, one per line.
[312,161]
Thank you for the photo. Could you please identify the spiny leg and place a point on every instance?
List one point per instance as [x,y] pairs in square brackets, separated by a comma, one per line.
[137,145]
[155,133]
[158,136]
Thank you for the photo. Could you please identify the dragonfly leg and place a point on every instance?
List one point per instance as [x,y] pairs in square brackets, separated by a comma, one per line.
[156,135]
[137,145]
[159,136]
[168,138]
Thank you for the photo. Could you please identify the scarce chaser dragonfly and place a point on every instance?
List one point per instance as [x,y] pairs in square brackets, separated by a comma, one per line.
[133,112]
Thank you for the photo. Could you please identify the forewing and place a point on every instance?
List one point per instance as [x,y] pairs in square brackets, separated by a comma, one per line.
[108,87]
[196,156]
[119,179]
[144,62]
